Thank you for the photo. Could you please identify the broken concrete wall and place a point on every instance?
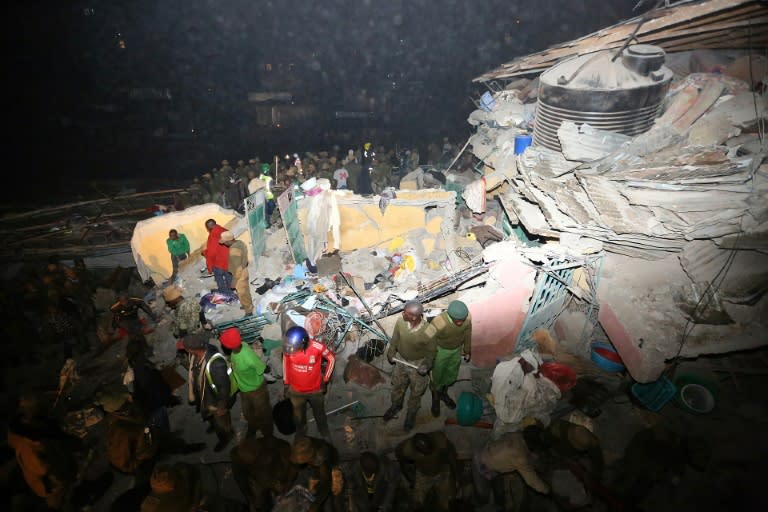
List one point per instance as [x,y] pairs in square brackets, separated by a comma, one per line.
[364,225]
[499,309]
[148,243]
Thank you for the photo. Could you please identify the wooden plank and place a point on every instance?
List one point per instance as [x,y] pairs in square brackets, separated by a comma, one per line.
[680,19]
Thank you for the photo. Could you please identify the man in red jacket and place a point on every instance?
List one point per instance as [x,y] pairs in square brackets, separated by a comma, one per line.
[305,379]
[217,257]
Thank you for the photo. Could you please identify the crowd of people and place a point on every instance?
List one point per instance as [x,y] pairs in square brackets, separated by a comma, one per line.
[365,170]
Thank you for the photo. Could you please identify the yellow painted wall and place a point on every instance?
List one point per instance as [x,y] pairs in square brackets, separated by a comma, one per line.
[363,225]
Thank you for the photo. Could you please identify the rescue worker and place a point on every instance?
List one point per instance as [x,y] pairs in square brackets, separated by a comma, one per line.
[210,389]
[497,460]
[125,314]
[429,461]
[318,463]
[566,440]
[452,332]
[196,192]
[217,257]
[268,194]
[131,441]
[189,317]
[371,482]
[263,470]
[219,184]
[417,353]
[248,373]
[44,453]
[254,181]
[178,248]
[238,267]
[174,488]
[366,168]
[304,379]
[235,192]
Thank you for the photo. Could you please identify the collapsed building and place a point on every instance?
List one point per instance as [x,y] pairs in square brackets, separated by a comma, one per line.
[617,200]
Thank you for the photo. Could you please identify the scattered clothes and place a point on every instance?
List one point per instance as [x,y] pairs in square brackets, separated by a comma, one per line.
[211,299]
[387,195]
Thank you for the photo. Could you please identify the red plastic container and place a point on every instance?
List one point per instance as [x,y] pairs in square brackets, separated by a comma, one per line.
[563,376]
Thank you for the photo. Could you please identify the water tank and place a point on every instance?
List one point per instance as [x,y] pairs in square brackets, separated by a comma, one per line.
[621,94]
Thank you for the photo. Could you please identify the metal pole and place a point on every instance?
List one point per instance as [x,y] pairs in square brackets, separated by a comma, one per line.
[459,154]
[365,304]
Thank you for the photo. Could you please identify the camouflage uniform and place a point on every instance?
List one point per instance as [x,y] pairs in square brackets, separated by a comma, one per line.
[187,317]
[437,469]
[417,349]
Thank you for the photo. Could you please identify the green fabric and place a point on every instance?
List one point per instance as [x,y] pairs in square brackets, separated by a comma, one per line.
[248,369]
[446,369]
[178,247]
[449,335]
[412,345]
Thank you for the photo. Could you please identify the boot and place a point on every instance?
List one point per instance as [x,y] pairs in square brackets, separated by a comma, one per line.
[410,420]
[449,403]
[435,404]
[392,411]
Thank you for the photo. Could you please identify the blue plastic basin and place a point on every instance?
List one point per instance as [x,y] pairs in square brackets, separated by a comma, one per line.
[606,357]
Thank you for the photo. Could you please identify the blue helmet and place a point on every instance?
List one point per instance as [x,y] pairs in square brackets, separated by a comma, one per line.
[296,338]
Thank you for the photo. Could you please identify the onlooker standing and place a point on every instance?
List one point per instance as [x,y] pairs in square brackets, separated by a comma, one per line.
[304,379]
[217,257]
[238,267]
[209,385]
[178,247]
[366,168]
[418,352]
[341,175]
[248,371]
[452,332]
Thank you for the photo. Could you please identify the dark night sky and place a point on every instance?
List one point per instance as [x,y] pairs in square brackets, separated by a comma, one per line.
[75,69]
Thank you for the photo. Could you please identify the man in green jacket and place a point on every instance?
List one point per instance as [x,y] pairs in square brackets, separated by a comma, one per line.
[248,371]
[417,354]
[452,332]
[178,247]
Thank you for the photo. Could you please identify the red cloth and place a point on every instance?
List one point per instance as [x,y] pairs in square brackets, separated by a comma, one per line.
[301,370]
[216,254]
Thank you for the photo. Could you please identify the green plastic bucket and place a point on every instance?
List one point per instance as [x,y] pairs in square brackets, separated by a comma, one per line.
[695,394]
[469,409]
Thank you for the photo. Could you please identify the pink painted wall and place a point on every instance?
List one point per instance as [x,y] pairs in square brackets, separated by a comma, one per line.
[620,338]
[496,321]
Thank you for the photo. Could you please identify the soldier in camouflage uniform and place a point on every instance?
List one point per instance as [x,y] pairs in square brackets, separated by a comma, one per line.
[412,345]
[430,461]
[189,317]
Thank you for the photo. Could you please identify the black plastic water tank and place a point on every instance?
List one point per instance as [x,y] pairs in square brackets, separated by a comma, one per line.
[620,94]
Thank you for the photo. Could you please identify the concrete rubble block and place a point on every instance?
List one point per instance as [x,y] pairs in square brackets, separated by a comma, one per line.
[148,243]
[361,373]
[498,316]
[569,327]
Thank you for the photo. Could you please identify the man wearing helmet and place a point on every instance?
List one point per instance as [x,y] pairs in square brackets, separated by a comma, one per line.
[304,378]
